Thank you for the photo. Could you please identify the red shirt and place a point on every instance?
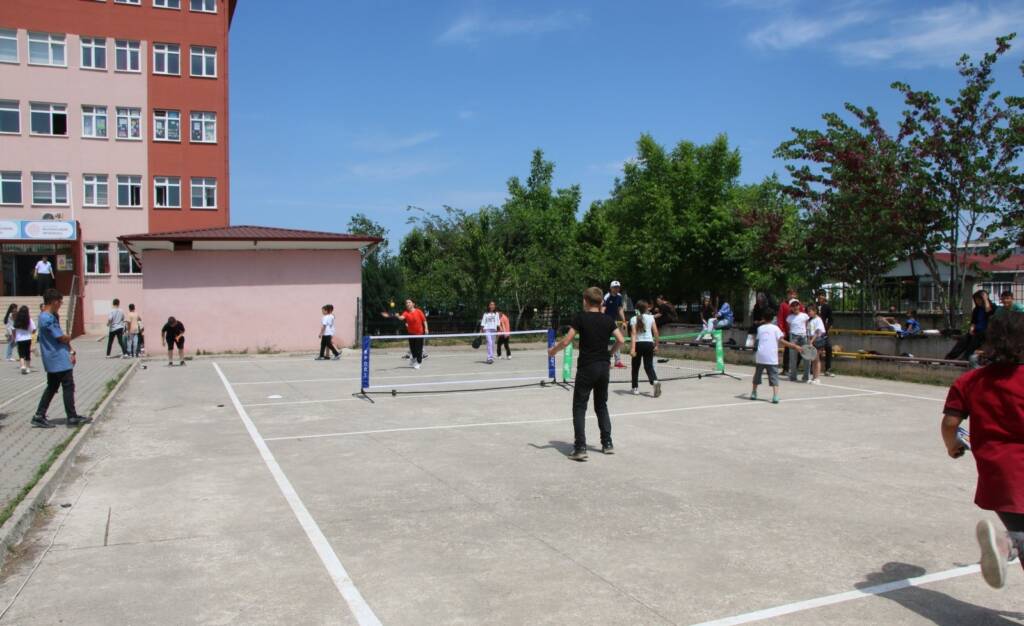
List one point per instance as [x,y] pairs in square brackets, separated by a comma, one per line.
[993,399]
[503,325]
[415,322]
[783,314]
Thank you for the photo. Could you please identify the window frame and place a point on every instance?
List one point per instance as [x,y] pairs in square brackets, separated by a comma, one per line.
[50,112]
[164,5]
[14,37]
[130,113]
[192,8]
[166,118]
[122,252]
[51,40]
[204,185]
[166,184]
[128,49]
[97,112]
[129,181]
[164,48]
[93,47]
[6,177]
[96,250]
[201,118]
[98,181]
[5,106]
[133,3]
[53,179]
[205,55]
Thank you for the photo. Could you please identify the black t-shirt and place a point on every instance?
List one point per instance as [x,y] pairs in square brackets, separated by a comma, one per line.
[594,330]
[668,313]
[825,313]
[172,332]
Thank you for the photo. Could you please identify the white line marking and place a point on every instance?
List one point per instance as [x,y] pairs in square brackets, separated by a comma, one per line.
[795,607]
[360,609]
[302,402]
[887,393]
[356,378]
[553,419]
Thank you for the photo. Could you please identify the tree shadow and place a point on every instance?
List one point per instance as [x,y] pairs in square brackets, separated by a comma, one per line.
[932,605]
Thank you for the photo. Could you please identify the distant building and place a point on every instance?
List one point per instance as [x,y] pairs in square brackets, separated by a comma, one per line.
[913,284]
[114,115]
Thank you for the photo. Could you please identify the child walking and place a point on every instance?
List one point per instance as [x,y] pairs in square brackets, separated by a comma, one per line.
[9,316]
[769,336]
[817,338]
[327,333]
[992,398]
[23,329]
[489,326]
[644,336]
[594,328]
[504,328]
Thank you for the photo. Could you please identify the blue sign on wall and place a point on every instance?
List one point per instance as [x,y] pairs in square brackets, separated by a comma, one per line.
[45,230]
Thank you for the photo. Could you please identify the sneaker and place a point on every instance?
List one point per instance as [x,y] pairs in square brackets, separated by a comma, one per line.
[636,392]
[320,358]
[815,381]
[78,420]
[753,395]
[995,548]
[490,361]
[25,370]
[657,389]
[182,363]
[337,357]
[508,358]
[829,374]
[620,365]
[170,364]
[775,399]
[41,422]
[406,356]
[415,366]
[579,453]
[608,448]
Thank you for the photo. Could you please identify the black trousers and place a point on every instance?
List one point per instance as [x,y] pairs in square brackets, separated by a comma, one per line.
[327,343]
[65,380]
[966,345]
[44,282]
[119,334]
[644,353]
[503,341]
[416,349]
[828,353]
[592,377]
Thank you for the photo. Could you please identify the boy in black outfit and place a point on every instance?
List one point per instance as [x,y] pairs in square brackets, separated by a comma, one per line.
[594,329]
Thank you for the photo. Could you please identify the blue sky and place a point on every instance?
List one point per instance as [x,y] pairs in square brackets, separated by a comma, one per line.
[340,107]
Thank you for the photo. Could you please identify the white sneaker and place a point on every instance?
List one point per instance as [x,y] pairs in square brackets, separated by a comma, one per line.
[636,392]
[815,381]
[995,549]
[657,389]
[415,366]
[508,358]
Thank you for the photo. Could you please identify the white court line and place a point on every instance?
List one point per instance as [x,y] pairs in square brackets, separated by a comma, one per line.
[838,598]
[421,374]
[360,609]
[328,401]
[887,393]
[554,419]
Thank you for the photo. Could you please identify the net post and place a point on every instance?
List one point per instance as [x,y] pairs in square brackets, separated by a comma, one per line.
[365,377]
[567,364]
[719,352]
[551,359]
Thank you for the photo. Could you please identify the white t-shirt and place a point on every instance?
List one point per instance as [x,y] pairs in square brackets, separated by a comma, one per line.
[815,326]
[648,333]
[43,267]
[797,323]
[21,334]
[328,323]
[115,319]
[491,321]
[768,336]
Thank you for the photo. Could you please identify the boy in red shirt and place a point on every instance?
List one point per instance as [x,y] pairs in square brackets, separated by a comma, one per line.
[503,335]
[992,397]
[416,326]
[784,325]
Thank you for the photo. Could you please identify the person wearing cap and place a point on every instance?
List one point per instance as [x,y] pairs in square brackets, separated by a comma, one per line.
[613,308]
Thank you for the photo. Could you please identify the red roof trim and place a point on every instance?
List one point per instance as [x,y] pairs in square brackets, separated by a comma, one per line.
[247,233]
[984,263]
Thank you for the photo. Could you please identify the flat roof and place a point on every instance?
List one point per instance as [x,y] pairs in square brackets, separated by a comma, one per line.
[245,237]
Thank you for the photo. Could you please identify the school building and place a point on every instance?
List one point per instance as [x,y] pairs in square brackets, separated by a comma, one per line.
[113,120]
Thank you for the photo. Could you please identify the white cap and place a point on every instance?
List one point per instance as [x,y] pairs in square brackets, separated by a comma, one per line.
[616,283]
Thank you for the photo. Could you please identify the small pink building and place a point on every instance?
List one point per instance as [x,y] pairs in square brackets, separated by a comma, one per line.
[250,287]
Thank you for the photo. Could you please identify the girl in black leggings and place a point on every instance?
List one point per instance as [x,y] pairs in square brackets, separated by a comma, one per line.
[644,334]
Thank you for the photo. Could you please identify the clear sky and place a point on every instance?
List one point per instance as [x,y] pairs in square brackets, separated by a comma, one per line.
[342,106]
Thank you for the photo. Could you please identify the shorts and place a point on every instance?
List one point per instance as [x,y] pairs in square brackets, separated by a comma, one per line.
[25,349]
[177,341]
[821,342]
[773,374]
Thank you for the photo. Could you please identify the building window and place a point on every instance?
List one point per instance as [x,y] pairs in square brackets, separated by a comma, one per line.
[129,123]
[204,61]
[49,189]
[204,127]
[49,119]
[97,258]
[94,53]
[167,58]
[94,122]
[136,2]
[10,187]
[167,4]
[129,191]
[205,6]
[166,125]
[46,49]
[95,190]
[126,263]
[126,55]
[204,193]
[167,192]
[10,117]
[8,45]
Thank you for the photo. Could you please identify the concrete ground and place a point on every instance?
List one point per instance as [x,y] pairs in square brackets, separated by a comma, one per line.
[260,491]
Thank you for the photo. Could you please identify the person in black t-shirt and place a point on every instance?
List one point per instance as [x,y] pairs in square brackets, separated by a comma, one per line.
[594,329]
[174,334]
[825,313]
[664,312]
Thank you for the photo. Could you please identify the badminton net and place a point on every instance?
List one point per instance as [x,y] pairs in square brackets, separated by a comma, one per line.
[703,355]
[456,362]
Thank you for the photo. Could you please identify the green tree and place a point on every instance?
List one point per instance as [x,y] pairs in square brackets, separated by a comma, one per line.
[382,275]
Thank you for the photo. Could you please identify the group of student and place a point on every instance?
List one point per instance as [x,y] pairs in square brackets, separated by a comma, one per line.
[128,330]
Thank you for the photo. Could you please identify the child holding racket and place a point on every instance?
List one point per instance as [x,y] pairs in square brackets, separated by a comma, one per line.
[817,338]
[769,336]
[992,397]
[416,325]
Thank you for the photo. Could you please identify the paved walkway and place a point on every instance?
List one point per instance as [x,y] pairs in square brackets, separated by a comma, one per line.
[23,448]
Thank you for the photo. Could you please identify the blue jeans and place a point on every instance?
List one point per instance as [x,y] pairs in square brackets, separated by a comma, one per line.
[11,345]
[794,358]
[133,344]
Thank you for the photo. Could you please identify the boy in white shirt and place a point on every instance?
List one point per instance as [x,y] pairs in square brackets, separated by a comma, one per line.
[769,336]
[489,325]
[327,333]
[797,322]
[816,337]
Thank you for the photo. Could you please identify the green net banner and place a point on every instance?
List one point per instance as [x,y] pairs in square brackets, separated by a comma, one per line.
[567,364]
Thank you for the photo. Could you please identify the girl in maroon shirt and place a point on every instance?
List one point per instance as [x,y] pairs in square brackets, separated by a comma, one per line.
[992,398]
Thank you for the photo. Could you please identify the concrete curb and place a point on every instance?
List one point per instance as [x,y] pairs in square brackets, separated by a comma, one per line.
[14,529]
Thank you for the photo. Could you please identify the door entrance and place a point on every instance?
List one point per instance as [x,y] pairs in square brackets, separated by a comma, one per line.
[19,273]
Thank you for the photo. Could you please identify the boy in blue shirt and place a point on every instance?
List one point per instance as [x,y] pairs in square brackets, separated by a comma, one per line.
[59,362]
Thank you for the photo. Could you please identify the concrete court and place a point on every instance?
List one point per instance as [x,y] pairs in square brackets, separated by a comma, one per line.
[442,511]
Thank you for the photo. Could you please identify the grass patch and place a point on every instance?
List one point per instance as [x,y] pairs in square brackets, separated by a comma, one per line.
[212,353]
